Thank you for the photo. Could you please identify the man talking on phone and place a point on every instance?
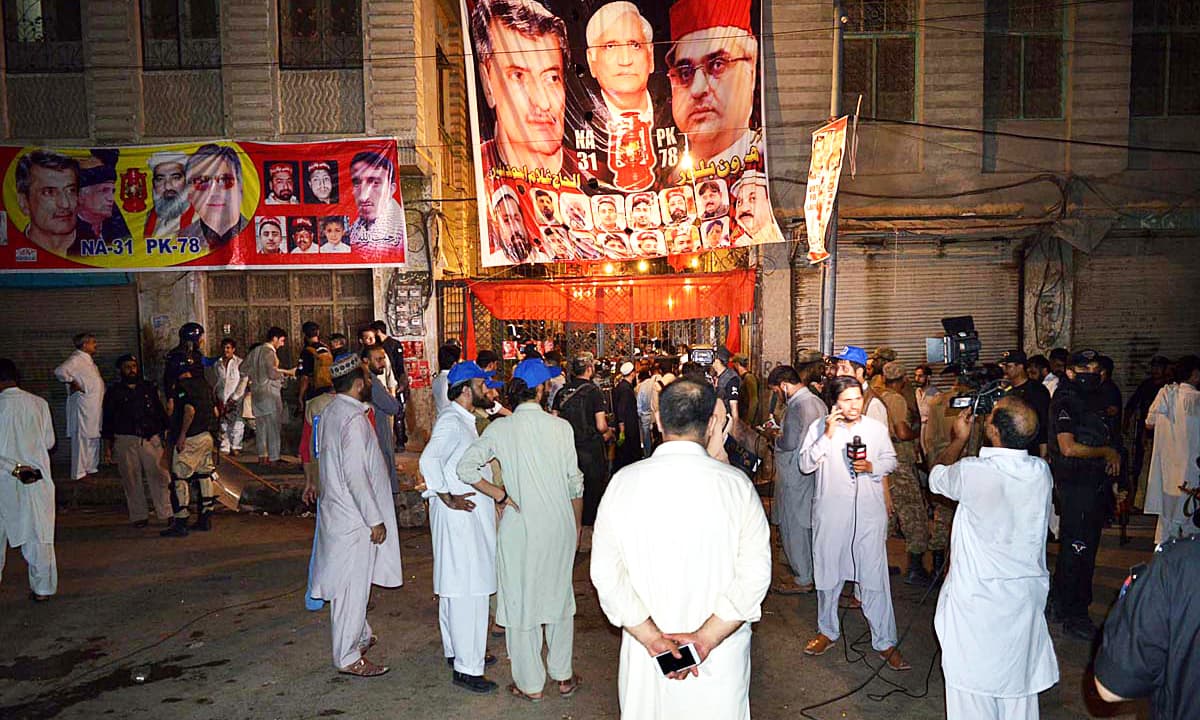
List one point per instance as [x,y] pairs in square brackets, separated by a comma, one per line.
[684,585]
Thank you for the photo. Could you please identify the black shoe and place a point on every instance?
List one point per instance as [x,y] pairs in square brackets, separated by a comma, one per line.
[488,661]
[139,524]
[474,683]
[1080,628]
[204,522]
[916,571]
[177,528]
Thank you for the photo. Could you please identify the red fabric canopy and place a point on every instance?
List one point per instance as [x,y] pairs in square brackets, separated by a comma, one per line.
[620,300]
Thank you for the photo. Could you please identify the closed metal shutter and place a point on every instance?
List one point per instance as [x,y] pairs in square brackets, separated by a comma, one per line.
[896,297]
[38,327]
[1136,298]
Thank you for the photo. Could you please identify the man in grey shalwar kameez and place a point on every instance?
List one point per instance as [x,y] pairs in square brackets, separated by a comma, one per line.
[387,406]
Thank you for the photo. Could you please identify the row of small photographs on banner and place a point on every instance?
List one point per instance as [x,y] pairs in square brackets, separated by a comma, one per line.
[560,244]
[636,211]
[320,182]
[279,235]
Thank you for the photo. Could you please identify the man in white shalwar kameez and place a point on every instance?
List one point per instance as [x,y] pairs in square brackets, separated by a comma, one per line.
[850,519]
[261,366]
[463,530]
[665,589]
[356,543]
[990,620]
[542,499]
[85,405]
[26,510]
[1175,418]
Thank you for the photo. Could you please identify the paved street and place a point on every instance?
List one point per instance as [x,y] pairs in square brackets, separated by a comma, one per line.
[217,625]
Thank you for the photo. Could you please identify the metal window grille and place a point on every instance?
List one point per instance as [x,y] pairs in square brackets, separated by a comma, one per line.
[320,34]
[43,36]
[879,58]
[1165,66]
[1024,62]
[181,34]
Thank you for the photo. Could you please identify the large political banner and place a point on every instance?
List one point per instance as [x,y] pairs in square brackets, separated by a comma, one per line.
[617,130]
[202,205]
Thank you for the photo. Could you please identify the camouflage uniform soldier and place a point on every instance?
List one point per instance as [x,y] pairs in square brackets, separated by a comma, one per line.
[907,499]
[935,437]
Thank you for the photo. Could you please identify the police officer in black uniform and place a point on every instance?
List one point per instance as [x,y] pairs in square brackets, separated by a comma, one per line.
[1083,460]
[1151,635]
[189,350]
[193,425]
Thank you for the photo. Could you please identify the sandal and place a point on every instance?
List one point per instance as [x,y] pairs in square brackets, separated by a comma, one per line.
[894,659]
[362,649]
[567,688]
[522,695]
[364,668]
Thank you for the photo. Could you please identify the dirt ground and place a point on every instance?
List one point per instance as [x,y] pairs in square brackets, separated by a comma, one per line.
[216,626]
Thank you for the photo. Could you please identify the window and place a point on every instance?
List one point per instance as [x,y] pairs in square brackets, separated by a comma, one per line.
[1165,74]
[1023,60]
[317,34]
[43,36]
[879,58]
[181,34]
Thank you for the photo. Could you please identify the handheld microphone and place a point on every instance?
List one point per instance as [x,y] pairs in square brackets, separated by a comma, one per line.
[855,450]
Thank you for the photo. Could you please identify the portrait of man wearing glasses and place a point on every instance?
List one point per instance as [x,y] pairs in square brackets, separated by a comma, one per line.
[213,178]
[712,64]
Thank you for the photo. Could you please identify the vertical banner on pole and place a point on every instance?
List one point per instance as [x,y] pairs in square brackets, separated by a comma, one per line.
[828,147]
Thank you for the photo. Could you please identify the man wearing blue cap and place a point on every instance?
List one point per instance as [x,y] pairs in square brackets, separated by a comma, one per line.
[462,523]
[852,361]
[542,500]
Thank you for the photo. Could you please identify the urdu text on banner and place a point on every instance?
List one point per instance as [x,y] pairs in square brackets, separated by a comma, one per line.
[617,130]
[202,205]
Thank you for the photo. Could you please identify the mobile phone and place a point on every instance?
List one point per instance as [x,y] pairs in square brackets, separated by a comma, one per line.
[668,663]
[28,475]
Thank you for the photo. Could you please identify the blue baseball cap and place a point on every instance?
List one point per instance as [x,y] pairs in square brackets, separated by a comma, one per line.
[853,354]
[535,371]
[469,370]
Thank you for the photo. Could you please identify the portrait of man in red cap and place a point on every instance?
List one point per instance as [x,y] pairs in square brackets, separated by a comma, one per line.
[712,65]
[522,51]
[281,178]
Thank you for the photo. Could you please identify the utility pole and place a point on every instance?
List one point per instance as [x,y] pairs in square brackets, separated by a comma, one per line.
[829,267]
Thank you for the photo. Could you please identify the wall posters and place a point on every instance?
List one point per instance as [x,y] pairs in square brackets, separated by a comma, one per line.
[824,171]
[202,205]
[616,130]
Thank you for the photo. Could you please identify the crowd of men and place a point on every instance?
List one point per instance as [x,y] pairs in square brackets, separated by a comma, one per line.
[523,474]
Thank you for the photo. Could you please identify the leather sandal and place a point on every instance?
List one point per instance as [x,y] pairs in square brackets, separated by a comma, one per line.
[567,688]
[372,642]
[818,645]
[364,668]
[894,659]
[520,694]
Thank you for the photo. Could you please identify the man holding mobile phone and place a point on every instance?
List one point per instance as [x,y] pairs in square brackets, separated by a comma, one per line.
[685,607]
[26,491]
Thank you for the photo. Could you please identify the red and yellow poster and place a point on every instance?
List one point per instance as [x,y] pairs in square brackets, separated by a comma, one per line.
[828,148]
[202,205]
[617,130]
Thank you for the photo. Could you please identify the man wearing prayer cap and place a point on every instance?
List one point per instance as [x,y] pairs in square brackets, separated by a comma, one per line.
[463,525]
[712,65]
[629,430]
[171,210]
[542,510]
[356,544]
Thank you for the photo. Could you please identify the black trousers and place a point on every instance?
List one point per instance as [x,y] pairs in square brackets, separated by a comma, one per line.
[593,462]
[1082,506]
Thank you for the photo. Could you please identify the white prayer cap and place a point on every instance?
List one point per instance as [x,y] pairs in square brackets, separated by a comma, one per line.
[166,157]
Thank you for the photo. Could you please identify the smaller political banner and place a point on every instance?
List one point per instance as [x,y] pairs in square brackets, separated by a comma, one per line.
[828,147]
[202,205]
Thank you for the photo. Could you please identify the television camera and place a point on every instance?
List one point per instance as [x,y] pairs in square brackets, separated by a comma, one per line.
[959,350]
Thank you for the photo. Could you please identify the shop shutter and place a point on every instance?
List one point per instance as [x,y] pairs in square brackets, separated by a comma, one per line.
[38,327]
[1136,298]
[896,296]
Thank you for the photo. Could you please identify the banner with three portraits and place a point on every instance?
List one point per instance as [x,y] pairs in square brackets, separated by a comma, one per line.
[202,205]
[608,130]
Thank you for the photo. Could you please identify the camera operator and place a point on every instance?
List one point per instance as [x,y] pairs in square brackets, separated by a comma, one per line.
[1149,645]
[1083,458]
[996,649]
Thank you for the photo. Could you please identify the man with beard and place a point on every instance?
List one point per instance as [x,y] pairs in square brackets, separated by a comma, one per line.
[133,426]
[677,205]
[97,217]
[521,39]
[168,181]
[386,408]
[302,235]
[463,525]
[214,182]
[509,225]
[683,239]
[380,223]
[641,212]
[712,64]
[282,183]
[546,207]
[556,244]
[752,210]
[712,202]
[356,544]
[1082,459]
